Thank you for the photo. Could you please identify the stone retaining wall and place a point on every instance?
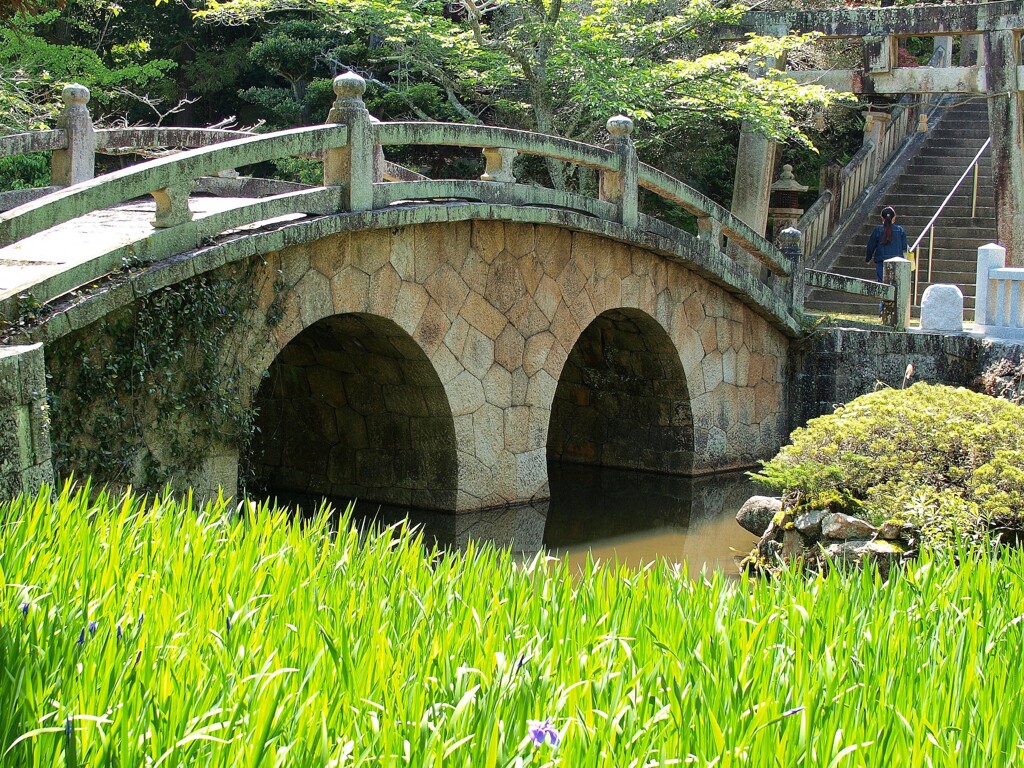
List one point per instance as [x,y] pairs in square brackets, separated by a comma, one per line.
[833,366]
[25,462]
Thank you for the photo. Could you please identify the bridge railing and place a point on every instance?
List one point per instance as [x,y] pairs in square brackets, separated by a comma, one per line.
[354,180]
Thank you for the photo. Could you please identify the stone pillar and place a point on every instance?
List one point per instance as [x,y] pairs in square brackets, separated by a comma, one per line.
[874,130]
[791,243]
[25,454]
[755,169]
[621,187]
[755,162]
[896,272]
[991,256]
[352,166]
[77,162]
[830,179]
[1002,56]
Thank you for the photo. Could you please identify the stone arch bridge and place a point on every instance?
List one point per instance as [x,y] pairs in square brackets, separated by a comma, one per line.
[398,339]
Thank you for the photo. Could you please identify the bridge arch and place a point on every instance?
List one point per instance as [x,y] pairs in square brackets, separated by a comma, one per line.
[352,407]
[622,399]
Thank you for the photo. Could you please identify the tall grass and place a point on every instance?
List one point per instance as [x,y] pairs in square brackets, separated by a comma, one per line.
[137,632]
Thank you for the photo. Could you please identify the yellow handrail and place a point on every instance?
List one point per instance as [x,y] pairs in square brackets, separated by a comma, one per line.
[930,226]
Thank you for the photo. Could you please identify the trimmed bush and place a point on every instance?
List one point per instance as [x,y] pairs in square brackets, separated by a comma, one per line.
[944,458]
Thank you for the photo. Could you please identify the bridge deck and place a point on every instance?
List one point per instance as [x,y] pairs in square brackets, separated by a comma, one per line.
[62,249]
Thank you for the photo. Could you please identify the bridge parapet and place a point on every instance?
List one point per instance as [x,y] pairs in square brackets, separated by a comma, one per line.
[355,181]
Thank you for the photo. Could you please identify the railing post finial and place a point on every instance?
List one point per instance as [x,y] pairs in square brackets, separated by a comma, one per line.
[352,167]
[78,161]
[348,87]
[620,128]
[791,243]
[621,187]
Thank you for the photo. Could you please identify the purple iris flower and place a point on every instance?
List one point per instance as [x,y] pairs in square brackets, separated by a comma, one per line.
[93,627]
[24,608]
[120,632]
[81,637]
[543,730]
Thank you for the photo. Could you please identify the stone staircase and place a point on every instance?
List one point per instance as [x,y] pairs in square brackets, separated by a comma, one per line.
[918,191]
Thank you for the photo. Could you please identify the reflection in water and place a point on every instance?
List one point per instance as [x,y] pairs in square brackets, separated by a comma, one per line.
[631,517]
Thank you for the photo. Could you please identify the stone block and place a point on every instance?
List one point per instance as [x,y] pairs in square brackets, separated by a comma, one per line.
[482,316]
[527,317]
[497,384]
[11,379]
[478,353]
[536,351]
[465,394]
[446,364]
[434,325]
[403,249]
[349,290]
[488,239]
[541,390]
[429,251]
[370,250]
[447,289]
[385,285]
[412,302]
[329,255]
[942,309]
[712,369]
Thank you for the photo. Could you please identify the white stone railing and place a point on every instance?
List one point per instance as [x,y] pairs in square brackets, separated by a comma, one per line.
[999,296]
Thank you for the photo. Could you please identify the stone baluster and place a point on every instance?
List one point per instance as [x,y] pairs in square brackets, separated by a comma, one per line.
[499,164]
[352,166]
[172,205]
[709,229]
[621,187]
[77,162]
[791,243]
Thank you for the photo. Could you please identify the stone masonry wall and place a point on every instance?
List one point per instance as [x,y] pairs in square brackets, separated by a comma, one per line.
[25,462]
[496,308]
[836,365]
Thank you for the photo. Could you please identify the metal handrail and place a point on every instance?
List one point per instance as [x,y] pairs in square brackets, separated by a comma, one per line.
[929,228]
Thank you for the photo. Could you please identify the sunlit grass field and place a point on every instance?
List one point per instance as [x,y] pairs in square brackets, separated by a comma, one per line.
[145,632]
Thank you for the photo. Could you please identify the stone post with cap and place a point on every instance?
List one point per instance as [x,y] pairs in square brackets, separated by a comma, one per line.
[352,166]
[791,243]
[78,161]
[621,187]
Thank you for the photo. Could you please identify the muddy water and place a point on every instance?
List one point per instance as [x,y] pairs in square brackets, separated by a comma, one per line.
[630,517]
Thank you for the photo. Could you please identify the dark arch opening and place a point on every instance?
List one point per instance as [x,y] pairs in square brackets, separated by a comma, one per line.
[352,408]
[622,399]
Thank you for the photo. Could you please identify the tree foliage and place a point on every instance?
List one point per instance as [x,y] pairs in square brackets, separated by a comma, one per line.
[557,67]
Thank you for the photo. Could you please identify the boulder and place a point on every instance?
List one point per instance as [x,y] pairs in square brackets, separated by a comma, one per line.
[757,513]
[839,527]
[809,523]
[883,553]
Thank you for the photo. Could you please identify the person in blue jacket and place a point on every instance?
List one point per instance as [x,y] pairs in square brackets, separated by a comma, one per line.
[887,240]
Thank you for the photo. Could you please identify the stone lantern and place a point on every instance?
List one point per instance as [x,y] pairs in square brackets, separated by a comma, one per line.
[785,210]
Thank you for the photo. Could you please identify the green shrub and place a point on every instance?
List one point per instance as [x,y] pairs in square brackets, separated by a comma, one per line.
[942,457]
